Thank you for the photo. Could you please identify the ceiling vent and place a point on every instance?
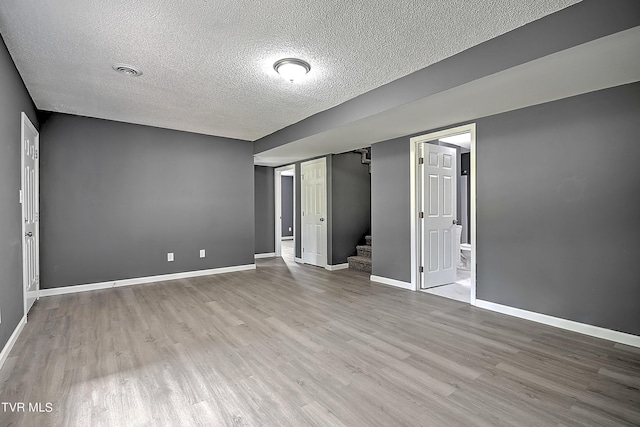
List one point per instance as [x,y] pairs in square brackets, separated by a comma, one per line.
[127,70]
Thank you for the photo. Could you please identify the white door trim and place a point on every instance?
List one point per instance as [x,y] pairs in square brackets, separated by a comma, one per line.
[322,160]
[26,123]
[278,206]
[415,197]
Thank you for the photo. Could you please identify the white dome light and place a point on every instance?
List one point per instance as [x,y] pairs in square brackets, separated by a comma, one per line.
[291,68]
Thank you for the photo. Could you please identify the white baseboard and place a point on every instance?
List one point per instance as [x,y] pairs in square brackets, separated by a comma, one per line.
[337,267]
[583,328]
[392,282]
[142,280]
[12,340]
[266,255]
[299,260]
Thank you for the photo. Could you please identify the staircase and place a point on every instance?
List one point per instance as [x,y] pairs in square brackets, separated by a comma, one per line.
[362,261]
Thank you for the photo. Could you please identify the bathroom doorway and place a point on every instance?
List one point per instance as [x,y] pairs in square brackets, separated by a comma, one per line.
[443,228]
[285,212]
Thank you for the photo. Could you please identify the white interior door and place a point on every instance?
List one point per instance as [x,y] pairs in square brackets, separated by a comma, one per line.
[439,215]
[29,197]
[314,212]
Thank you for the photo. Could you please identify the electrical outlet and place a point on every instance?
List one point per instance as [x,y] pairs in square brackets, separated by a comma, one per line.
[170,256]
[202,253]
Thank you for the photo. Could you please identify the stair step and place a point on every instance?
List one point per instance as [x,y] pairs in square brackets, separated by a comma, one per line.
[360,263]
[364,251]
[368,239]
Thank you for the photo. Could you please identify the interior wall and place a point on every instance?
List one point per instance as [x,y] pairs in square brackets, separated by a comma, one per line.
[287,205]
[13,100]
[265,215]
[390,216]
[351,205]
[117,197]
[556,235]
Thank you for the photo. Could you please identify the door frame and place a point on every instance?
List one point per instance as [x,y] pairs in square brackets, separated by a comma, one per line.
[26,122]
[322,160]
[416,188]
[278,206]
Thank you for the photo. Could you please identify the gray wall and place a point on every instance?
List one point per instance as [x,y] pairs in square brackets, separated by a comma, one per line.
[287,205]
[559,234]
[390,217]
[556,235]
[351,205]
[116,197]
[13,100]
[265,225]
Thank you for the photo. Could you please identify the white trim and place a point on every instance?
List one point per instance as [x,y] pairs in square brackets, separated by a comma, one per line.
[582,328]
[4,354]
[473,220]
[337,267]
[143,280]
[392,282]
[277,184]
[415,189]
[265,255]
[299,260]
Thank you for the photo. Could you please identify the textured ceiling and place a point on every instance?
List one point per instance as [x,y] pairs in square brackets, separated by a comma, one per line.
[208,63]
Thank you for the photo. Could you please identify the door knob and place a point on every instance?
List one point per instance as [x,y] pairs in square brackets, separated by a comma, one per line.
[321,219]
[29,234]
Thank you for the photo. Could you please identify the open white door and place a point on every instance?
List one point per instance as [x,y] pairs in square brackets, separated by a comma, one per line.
[30,199]
[314,212]
[439,215]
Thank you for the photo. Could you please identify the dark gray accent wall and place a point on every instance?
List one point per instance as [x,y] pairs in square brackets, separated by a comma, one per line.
[13,100]
[265,225]
[117,197]
[559,234]
[390,206]
[351,205]
[287,205]
[569,27]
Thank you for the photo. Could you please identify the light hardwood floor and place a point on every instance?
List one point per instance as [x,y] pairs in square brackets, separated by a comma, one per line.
[290,345]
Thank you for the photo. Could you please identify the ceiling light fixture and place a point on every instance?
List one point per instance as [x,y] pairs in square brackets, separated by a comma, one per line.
[291,68]
[127,70]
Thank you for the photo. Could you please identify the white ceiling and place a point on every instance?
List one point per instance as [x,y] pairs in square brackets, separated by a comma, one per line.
[207,64]
[606,62]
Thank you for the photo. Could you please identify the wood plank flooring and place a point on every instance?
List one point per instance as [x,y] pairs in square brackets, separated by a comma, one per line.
[291,345]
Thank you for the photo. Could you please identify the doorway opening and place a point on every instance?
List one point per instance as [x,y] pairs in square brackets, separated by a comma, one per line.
[443,213]
[285,218]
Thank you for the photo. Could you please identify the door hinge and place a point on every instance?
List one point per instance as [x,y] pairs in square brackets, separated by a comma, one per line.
[36,155]
[21,197]
[421,215]
[421,161]
[421,269]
